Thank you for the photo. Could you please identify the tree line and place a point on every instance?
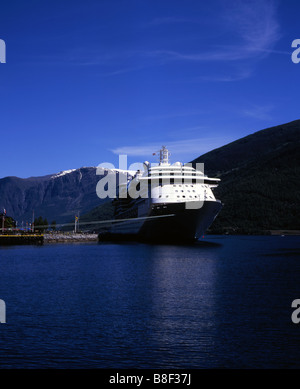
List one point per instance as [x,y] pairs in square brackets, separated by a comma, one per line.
[42,225]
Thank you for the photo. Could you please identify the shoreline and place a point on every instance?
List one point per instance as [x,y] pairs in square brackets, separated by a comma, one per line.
[82,237]
[71,237]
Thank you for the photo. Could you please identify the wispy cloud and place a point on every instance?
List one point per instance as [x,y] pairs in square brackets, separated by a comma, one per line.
[261,112]
[179,147]
[252,23]
[256,22]
[251,29]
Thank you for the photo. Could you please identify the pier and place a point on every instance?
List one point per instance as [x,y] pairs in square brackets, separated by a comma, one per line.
[39,239]
[8,240]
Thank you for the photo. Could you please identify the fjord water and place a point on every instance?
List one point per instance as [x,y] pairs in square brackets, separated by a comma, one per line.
[224,302]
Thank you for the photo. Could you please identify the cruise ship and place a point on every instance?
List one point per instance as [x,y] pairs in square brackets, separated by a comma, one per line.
[165,202]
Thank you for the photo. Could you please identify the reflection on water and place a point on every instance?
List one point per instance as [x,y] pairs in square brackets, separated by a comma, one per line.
[224,302]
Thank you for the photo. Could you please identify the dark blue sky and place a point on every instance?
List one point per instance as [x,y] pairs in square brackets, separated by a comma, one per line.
[87,80]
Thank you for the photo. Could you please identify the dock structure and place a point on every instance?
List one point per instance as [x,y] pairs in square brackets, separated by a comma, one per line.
[9,240]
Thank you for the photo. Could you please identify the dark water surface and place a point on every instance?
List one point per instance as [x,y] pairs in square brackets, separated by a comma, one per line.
[225,303]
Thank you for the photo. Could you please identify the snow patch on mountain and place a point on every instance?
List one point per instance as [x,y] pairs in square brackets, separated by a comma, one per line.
[63,173]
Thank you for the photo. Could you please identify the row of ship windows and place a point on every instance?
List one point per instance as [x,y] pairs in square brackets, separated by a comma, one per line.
[186,185]
[175,185]
[173,180]
[183,190]
[183,196]
[183,185]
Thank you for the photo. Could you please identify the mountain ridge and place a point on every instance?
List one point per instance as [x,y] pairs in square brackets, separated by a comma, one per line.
[287,133]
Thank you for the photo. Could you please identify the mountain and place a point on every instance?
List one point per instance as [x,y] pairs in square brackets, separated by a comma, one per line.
[260,177]
[55,197]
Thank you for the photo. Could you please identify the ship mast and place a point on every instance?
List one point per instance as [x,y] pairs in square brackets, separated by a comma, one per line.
[164,156]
